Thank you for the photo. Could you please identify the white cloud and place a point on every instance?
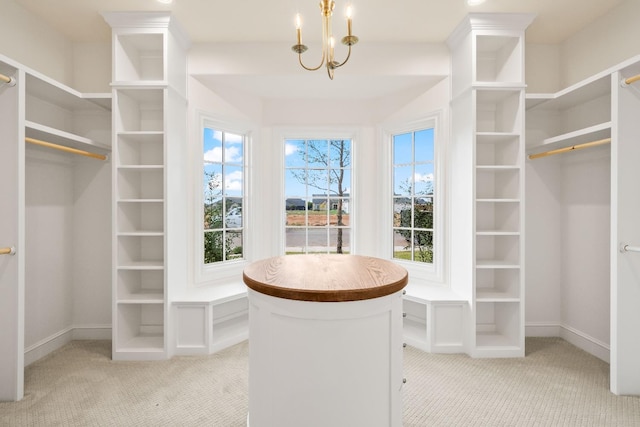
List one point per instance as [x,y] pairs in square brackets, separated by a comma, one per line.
[234,181]
[232,154]
[418,177]
[290,149]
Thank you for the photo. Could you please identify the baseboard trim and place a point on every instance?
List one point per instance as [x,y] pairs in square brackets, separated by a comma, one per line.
[581,340]
[542,329]
[587,343]
[53,342]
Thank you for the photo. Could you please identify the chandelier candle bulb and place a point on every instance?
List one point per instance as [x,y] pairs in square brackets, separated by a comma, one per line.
[299,28]
[349,13]
[332,44]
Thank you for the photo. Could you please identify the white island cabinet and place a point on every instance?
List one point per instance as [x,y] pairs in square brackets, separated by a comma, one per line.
[326,341]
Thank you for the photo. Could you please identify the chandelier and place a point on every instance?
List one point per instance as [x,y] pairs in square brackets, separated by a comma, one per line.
[328,42]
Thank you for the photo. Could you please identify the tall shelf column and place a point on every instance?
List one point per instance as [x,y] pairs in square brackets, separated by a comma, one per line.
[487,151]
[149,126]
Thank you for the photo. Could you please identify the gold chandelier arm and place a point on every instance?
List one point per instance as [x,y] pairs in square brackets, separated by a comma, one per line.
[308,68]
[336,65]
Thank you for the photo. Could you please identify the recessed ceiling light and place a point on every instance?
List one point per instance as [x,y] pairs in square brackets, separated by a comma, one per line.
[165,1]
[475,2]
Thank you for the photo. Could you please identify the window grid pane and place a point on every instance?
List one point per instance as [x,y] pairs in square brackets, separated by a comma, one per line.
[414,196]
[223,196]
[317,199]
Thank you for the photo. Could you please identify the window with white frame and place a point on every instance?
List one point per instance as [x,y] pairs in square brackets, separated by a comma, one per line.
[317,195]
[222,195]
[414,195]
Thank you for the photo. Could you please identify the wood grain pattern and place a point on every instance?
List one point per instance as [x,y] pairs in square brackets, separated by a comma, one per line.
[325,277]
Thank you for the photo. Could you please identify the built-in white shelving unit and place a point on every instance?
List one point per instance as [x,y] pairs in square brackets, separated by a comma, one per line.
[597,108]
[60,115]
[579,114]
[149,90]
[38,110]
[488,151]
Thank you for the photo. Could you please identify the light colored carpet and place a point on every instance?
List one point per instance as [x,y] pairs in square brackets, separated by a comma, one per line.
[556,384]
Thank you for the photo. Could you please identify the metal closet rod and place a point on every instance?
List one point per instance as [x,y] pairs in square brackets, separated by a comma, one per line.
[573,147]
[6,79]
[66,149]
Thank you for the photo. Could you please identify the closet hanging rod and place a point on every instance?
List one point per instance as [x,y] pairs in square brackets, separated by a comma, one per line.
[8,80]
[66,149]
[573,147]
[8,251]
[627,82]
[628,248]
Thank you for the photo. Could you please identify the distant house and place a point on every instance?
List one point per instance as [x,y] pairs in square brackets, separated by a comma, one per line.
[295,204]
[319,202]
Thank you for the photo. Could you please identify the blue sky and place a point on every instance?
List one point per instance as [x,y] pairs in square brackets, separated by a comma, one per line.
[231,151]
[405,148]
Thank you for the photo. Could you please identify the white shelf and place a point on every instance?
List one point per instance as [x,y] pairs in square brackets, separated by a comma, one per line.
[480,85]
[589,134]
[66,139]
[128,200]
[497,167]
[497,233]
[142,298]
[494,263]
[48,90]
[140,233]
[497,200]
[140,167]
[141,265]
[494,296]
[146,84]
[574,95]
[492,137]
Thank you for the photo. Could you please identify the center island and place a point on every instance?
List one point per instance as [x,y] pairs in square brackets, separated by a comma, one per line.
[325,341]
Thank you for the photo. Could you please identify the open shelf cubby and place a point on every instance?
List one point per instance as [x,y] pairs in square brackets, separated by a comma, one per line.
[141,327]
[141,285]
[140,57]
[499,58]
[497,324]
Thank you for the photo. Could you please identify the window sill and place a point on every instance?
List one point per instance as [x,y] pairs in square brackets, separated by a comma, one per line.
[423,293]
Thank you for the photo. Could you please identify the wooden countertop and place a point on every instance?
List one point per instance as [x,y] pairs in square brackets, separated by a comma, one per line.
[325,277]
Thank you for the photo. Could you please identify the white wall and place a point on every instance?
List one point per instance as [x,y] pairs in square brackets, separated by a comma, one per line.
[92,67]
[586,193]
[68,254]
[49,241]
[544,246]
[608,41]
[91,243]
[542,68]
[27,39]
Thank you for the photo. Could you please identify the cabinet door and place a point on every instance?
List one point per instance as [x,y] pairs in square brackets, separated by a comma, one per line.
[11,238]
[625,230]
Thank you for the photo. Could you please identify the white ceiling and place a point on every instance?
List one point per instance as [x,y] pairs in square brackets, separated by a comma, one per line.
[421,21]
[374,20]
